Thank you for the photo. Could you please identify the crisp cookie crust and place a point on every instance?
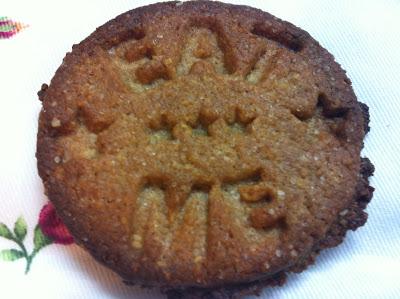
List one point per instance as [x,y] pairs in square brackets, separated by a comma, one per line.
[204,148]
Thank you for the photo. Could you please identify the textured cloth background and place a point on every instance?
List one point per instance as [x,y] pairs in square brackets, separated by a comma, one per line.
[364,37]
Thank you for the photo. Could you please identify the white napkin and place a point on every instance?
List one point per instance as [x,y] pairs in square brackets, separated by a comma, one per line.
[363,36]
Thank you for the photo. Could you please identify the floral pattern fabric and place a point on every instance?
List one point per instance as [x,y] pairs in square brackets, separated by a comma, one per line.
[49,230]
[9,28]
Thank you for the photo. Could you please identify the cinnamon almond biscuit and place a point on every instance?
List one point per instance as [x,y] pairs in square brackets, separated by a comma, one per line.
[203,148]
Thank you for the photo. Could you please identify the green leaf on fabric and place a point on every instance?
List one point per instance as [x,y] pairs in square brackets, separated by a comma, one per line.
[20,229]
[11,255]
[39,239]
[5,232]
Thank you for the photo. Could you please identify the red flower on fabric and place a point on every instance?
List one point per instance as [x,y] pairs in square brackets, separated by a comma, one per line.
[52,226]
[9,28]
[49,230]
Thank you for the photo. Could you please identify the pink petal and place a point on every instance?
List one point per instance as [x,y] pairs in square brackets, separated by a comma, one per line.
[52,226]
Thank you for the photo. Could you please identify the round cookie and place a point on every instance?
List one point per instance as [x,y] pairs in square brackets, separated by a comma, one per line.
[203,148]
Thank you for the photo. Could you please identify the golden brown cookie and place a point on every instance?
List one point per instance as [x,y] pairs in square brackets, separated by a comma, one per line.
[204,148]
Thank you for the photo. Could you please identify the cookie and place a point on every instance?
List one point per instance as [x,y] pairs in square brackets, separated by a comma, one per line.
[204,148]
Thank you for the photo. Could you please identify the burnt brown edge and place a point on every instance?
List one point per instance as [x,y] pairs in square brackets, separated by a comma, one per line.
[355,218]
[352,220]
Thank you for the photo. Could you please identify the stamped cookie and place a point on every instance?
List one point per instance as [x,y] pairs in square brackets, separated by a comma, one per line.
[204,148]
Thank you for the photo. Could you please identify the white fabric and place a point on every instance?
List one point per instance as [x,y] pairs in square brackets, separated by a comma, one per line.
[364,37]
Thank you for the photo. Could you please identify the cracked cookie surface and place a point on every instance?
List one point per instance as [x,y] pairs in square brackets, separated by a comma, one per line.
[201,145]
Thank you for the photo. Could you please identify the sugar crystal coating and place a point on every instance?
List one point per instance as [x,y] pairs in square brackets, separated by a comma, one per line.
[199,144]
